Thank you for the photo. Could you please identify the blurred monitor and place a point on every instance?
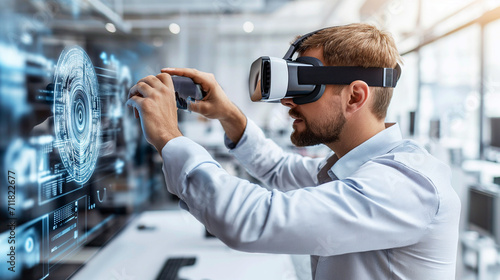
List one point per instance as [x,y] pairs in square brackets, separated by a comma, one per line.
[435,129]
[411,128]
[495,132]
[496,180]
[484,212]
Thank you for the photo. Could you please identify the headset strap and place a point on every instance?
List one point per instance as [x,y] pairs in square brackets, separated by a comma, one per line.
[375,77]
[344,75]
[295,45]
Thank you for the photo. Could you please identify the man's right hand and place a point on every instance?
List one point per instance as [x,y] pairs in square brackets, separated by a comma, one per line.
[215,105]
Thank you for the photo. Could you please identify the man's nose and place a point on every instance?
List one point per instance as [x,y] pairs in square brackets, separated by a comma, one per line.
[288,102]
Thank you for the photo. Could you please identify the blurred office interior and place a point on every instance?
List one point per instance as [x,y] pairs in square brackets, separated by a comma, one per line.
[448,99]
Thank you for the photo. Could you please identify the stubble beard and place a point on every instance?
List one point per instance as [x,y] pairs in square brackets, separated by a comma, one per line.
[328,131]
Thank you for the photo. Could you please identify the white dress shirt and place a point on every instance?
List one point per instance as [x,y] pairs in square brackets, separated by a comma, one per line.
[385,210]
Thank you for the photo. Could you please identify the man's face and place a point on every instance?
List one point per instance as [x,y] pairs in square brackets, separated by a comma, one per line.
[319,122]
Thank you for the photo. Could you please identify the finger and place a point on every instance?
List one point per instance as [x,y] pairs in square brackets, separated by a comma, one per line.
[198,77]
[134,110]
[132,91]
[136,103]
[194,106]
[186,72]
[200,107]
[166,79]
[152,81]
[141,89]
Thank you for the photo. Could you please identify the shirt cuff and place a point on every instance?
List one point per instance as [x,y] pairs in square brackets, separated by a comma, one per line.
[251,138]
[251,131]
[230,144]
[181,156]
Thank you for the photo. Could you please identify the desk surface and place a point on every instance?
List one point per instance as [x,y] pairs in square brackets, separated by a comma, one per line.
[140,253]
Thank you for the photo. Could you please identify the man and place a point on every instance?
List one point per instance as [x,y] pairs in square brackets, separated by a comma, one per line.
[380,207]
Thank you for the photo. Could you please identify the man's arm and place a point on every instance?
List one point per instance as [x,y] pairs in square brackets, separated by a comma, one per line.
[215,105]
[338,217]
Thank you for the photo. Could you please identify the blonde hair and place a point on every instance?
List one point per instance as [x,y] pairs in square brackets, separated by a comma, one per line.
[358,44]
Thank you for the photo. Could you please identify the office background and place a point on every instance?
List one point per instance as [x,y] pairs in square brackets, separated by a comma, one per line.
[448,99]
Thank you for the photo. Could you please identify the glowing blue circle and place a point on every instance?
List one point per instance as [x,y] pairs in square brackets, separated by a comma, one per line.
[77,113]
[29,244]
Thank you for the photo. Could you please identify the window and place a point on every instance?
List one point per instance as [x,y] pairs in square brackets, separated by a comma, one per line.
[492,91]
[450,80]
[404,99]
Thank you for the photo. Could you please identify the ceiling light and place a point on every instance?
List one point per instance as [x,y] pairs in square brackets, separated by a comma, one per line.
[110,27]
[157,42]
[174,28]
[248,26]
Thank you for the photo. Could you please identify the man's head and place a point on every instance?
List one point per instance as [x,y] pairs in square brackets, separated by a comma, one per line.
[349,45]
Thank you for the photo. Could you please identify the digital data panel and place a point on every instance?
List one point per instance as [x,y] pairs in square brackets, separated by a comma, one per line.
[74,165]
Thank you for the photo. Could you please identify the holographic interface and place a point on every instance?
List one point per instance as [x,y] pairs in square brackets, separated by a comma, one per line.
[74,166]
[77,113]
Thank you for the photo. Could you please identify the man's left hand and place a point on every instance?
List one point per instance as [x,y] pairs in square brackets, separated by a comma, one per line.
[153,99]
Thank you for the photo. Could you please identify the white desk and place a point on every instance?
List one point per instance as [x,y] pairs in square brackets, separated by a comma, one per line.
[486,169]
[140,254]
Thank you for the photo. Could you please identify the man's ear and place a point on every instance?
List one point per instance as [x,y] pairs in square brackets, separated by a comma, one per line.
[357,96]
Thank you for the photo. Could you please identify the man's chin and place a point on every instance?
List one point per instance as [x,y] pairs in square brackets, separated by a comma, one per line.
[301,139]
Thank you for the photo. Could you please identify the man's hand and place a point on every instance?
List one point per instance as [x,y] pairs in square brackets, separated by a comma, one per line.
[153,99]
[215,105]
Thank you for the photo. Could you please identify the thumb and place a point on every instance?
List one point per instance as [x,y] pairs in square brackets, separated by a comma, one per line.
[193,106]
[200,107]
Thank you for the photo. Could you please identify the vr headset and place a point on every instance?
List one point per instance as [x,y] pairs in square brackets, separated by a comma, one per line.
[304,79]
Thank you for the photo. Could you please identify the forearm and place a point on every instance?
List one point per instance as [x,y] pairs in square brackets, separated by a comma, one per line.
[234,124]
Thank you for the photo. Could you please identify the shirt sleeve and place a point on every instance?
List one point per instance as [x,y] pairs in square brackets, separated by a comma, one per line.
[267,161]
[368,211]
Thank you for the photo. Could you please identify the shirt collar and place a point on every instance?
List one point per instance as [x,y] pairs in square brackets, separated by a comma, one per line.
[381,143]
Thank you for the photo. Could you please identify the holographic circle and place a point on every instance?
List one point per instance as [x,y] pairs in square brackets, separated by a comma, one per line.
[77,113]
[29,244]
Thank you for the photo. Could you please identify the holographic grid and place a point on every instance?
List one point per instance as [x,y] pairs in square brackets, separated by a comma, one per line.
[56,106]
[77,113]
